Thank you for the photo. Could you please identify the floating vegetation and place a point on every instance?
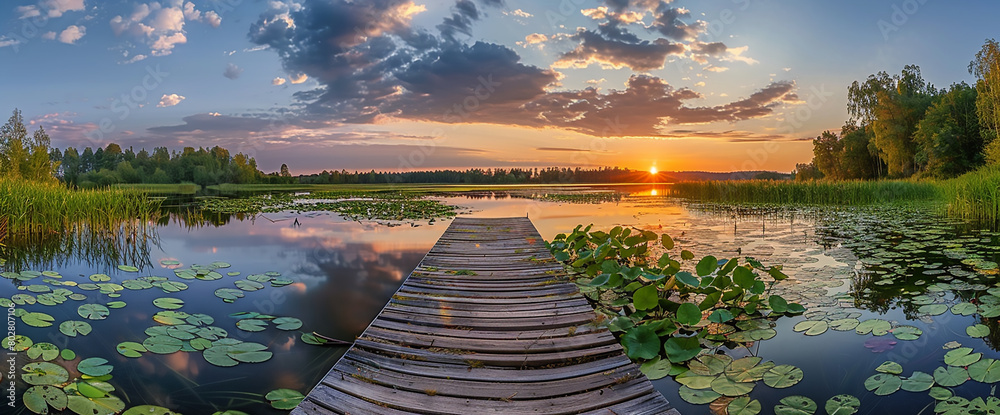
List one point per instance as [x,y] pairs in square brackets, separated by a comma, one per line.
[377,206]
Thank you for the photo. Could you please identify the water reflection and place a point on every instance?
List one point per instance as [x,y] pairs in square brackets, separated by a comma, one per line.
[100,250]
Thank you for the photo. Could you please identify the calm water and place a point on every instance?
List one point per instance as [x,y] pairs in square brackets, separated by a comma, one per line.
[344,272]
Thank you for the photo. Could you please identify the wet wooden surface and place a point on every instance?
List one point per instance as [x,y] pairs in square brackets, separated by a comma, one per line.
[486,323]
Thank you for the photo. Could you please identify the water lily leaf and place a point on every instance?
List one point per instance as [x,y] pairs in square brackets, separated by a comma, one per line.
[710,364]
[247,285]
[131,349]
[961,356]
[812,327]
[875,326]
[93,311]
[228,294]
[697,397]
[954,404]
[251,324]
[743,406]
[163,344]
[725,386]
[109,405]
[259,277]
[171,286]
[978,330]
[964,309]
[211,333]
[47,351]
[985,370]
[168,303]
[796,405]
[950,376]
[933,309]
[116,304]
[67,354]
[136,284]
[842,405]
[890,367]
[284,399]
[688,314]
[230,412]
[281,282]
[646,298]
[36,319]
[94,366]
[907,332]
[695,381]
[21,343]
[128,268]
[200,344]
[199,319]
[23,299]
[44,373]
[72,328]
[883,383]
[706,266]
[169,262]
[844,324]
[149,410]
[681,349]
[219,355]
[100,278]
[182,331]
[640,342]
[940,394]
[287,323]
[918,382]
[783,376]
[38,398]
[249,352]
[170,317]
[209,276]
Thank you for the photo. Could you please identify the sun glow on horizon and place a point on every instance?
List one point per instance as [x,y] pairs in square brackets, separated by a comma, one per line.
[653,170]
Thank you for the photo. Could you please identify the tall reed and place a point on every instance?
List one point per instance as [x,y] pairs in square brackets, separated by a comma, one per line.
[37,208]
[975,195]
[810,192]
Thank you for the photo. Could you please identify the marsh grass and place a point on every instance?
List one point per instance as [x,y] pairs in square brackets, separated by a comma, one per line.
[32,208]
[175,188]
[975,195]
[810,192]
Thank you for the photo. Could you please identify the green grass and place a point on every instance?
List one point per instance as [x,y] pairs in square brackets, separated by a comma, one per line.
[176,188]
[36,208]
[810,192]
[975,195]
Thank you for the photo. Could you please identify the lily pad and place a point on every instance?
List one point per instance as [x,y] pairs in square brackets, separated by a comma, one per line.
[163,344]
[284,399]
[39,398]
[251,324]
[44,373]
[116,304]
[978,330]
[229,294]
[890,367]
[67,354]
[725,386]
[170,317]
[917,382]
[168,303]
[287,323]
[131,349]
[961,356]
[695,381]
[219,355]
[108,405]
[36,319]
[812,327]
[199,319]
[907,332]
[94,366]
[46,351]
[933,309]
[640,342]
[149,410]
[844,324]
[93,311]
[883,384]
[72,328]
[939,393]
[697,397]
[796,405]
[985,370]
[743,406]
[128,268]
[783,376]
[875,326]
[842,405]
[950,376]
[247,285]
[249,353]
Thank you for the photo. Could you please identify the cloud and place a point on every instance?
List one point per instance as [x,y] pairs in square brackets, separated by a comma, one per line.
[52,8]
[161,27]
[460,21]
[298,79]
[169,100]
[278,81]
[49,35]
[5,41]
[232,71]
[72,34]
[519,13]
[28,11]
[595,48]
[669,22]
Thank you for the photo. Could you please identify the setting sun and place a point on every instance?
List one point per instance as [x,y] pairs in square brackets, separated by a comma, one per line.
[653,170]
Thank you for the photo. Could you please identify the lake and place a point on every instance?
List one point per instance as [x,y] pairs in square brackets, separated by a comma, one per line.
[924,276]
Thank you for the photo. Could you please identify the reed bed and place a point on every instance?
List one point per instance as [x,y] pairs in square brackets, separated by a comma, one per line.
[810,192]
[37,208]
[975,195]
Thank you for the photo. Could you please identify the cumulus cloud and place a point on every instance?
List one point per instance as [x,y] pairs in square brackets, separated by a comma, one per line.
[278,81]
[519,13]
[72,34]
[161,26]
[49,35]
[169,100]
[232,71]
[25,12]
[298,79]
[395,71]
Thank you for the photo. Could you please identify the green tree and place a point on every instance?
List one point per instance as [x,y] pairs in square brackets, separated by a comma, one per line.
[949,136]
[856,160]
[807,171]
[23,156]
[826,155]
[986,68]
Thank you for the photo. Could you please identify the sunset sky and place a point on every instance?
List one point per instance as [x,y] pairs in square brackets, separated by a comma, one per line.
[410,84]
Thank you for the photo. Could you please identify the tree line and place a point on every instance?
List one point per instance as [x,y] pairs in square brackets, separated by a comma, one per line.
[902,126]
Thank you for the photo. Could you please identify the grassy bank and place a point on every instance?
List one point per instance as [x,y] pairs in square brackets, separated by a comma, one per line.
[35,208]
[174,189]
[975,195]
[810,192]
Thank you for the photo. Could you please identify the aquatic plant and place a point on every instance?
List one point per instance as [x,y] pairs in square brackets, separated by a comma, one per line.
[852,192]
[975,195]
[355,206]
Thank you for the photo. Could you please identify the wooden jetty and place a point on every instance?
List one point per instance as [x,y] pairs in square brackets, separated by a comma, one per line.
[486,324]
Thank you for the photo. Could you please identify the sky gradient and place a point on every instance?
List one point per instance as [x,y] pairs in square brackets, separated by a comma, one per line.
[408,84]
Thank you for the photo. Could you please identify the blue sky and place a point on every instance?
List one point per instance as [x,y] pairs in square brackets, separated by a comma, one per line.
[683,85]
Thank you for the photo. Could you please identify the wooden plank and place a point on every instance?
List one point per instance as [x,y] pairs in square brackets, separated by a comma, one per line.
[513,336]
